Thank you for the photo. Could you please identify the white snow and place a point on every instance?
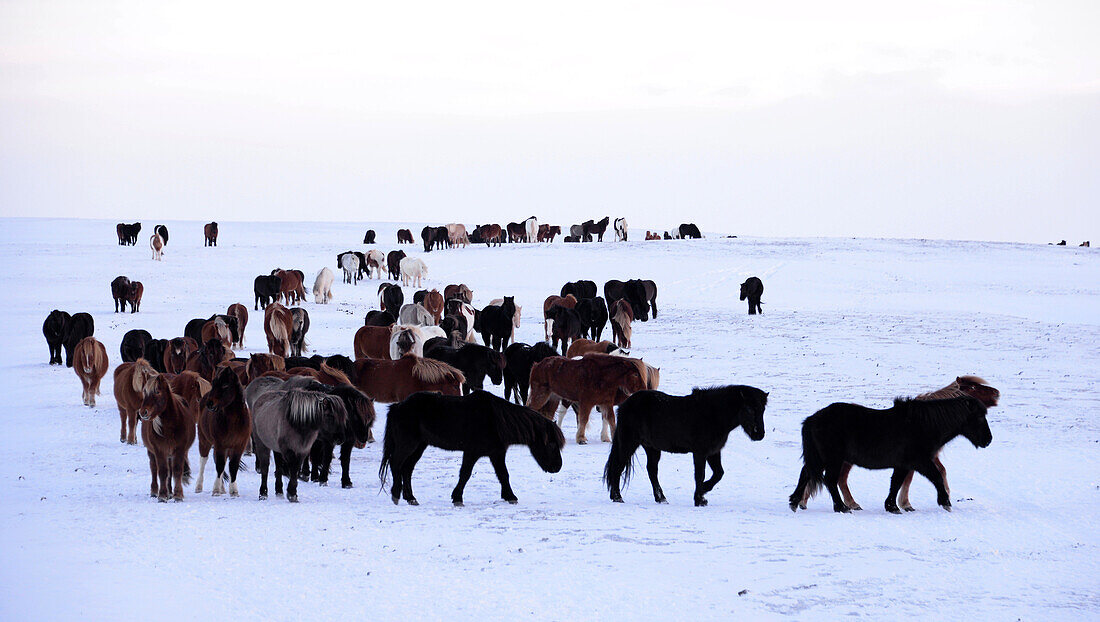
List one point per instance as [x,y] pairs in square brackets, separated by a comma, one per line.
[853,320]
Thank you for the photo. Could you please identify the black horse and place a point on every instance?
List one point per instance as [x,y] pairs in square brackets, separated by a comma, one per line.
[688,231]
[266,287]
[633,292]
[379,318]
[53,329]
[699,424]
[154,353]
[120,292]
[649,291]
[565,326]
[473,360]
[193,329]
[579,289]
[392,297]
[904,438]
[427,234]
[133,345]
[595,229]
[79,326]
[520,358]
[752,289]
[393,263]
[496,323]
[368,238]
[478,425]
[593,316]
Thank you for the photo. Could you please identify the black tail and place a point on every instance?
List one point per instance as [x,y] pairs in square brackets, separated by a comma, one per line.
[388,443]
[621,458]
[812,477]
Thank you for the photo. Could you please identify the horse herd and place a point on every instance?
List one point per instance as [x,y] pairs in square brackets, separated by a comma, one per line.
[424,359]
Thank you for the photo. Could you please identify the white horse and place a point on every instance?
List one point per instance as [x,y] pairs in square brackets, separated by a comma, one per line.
[157,244]
[350,264]
[412,270]
[322,286]
[415,315]
[620,229]
[376,260]
[496,302]
[532,226]
[456,233]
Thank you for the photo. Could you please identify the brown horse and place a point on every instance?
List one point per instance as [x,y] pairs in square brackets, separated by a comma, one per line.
[621,316]
[188,385]
[217,329]
[433,302]
[459,291]
[326,374]
[210,234]
[130,382]
[580,347]
[168,430]
[405,236]
[90,364]
[291,286]
[492,233]
[259,364]
[964,385]
[240,312]
[134,294]
[278,325]
[372,342]
[595,380]
[207,358]
[239,367]
[175,355]
[569,301]
[226,425]
[393,381]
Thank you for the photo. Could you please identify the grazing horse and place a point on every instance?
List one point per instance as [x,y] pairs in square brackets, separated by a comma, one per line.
[393,381]
[278,326]
[596,228]
[412,270]
[580,289]
[593,315]
[621,317]
[133,345]
[620,230]
[569,302]
[162,231]
[752,289]
[168,431]
[576,232]
[210,234]
[266,288]
[226,425]
[157,244]
[580,347]
[565,325]
[379,318]
[79,326]
[299,323]
[322,286]
[492,233]
[175,356]
[474,361]
[90,365]
[904,438]
[699,424]
[689,231]
[368,237]
[53,329]
[288,422]
[350,264]
[456,234]
[632,291]
[519,359]
[405,236]
[497,323]
[129,389]
[478,425]
[593,380]
[120,291]
[133,296]
[127,234]
[517,232]
[154,353]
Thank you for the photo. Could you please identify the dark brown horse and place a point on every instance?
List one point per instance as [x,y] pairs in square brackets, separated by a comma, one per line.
[460,291]
[240,312]
[595,380]
[207,358]
[130,380]
[259,364]
[134,294]
[175,355]
[210,234]
[168,430]
[372,342]
[405,236]
[226,425]
[393,381]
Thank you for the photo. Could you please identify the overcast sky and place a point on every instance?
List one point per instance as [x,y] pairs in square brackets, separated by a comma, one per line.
[958,119]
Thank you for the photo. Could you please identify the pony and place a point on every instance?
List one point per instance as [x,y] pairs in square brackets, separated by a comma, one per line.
[456,234]
[133,345]
[120,291]
[752,289]
[1085,244]
[410,339]
[154,353]
[474,361]
[288,422]
[963,385]
[688,231]
[412,270]
[577,233]
[491,233]
[193,329]
[427,234]
[582,346]
[433,302]
[376,261]
[291,285]
[621,317]
[531,228]
[205,360]
[390,297]
[168,431]
[595,228]
[497,323]
[189,385]
[175,356]
[393,264]
[356,432]
[90,366]
[593,315]
[478,425]
[460,291]
[225,425]
[129,389]
[322,286]
[217,328]
[620,230]
[372,342]
[517,232]
[590,381]
[519,359]
[699,424]
[415,315]
[667,236]
[404,236]
[259,364]
[53,329]
[368,237]
[547,233]
[266,287]
[133,296]
[379,318]
[496,302]
[350,264]
[127,234]
[632,291]
[393,381]
[278,326]
[210,234]
[569,302]
[77,327]
[162,231]
[580,289]
[905,437]
[157,244]
[299,322]
[565,325]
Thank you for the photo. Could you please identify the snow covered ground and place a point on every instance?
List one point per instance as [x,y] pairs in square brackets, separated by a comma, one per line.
[854,320]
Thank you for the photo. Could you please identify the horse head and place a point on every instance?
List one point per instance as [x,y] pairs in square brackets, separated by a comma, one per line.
[546,443]
[976,427]
[979,390]
[360,412]
[156,399]
[751,415]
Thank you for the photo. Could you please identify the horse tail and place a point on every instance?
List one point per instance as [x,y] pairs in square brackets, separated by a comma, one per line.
[812,477]
[388,443]
[621,458]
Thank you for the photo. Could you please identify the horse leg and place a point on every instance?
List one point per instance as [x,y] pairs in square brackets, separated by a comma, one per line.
[162,475]
[280,468]
[935,461]
[583,411]
[653,457]
[608,431]
[832,474]
[843,484]
[345,464]
[615,468]
[464,473]
[502,474]
[177,464]
[715,462]
[410,464]
[124,417]
[903,494]
[700,472]
[263,462]
[929,470]
[234,466]
[154,486]
[219,470]
[202,469]
[131,420]
[896,480]
[802,490]
[294,461]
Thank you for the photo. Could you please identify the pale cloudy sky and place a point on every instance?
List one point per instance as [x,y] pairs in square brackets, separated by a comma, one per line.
[951,119]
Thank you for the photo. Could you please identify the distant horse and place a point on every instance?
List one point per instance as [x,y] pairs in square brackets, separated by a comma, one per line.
[752,289]
[322,286]
[577,233]
[79,326]
[404,236]
[162,231]
[580,347]
[596,229]
[376,264]
[266,287]
[649,290]
[120,291]
[368,237]
[689,231]
[904,438]
[133,296]
[1085,244]
[133,345]
[393,381]
[90,364]
[496,302]
[210,234]
[127,234]
[492,233]
[175,356]
[699,424]
[667,236]
[474,361]
[299,326]
[53,329]
[620,230]
[593,315]
[278,325]
[478,425]
[157,244]
[497,323]
[547,233]
[579,289]
[415,315]
[591,381]
[291,286]
[531,229]
[168,431]
[621,317]
[519,359]
[412,270]
[226,425]
[517,232]
[632,291]
[565,325]
[350,264]
[460,291]
[456,233]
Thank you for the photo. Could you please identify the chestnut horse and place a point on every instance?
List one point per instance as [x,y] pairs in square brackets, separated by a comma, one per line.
[405,236]
[130,382]
[582,346]
[168,430]
[134,294]
[460,291]
[278,325]
[226,425]
[189,385]
[206,359]
[291,286]
[240,312]
[175,355]
[621,317]
[372,342]
[393,381]
[433,302]
[595,380]
[90,365]
[259,364]
[217,329]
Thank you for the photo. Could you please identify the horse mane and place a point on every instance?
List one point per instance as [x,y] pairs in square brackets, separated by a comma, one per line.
[141,373]
[519,425]
[435,372]
[939,416]
[337,376]
[303,408]
[950,391]
[973,379]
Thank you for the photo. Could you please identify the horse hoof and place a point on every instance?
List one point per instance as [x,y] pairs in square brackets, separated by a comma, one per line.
[617,499]
[346,485]
[946,507]
[234,494]
[700,503]
[396,500]
[512,501]
[323,484]
[582,441]
[664,501]
[843,509]
[292,498]
[162,499]
[856,507]
[458,504]
[413,502]
[263,497]
[893,510]
[909,508]
[802,506]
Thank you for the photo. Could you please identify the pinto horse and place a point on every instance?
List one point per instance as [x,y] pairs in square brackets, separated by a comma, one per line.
[392,381]
[240,312]
[699,424]
[90,364]
[168,431]
[278,326]
[478,425]
[595,380]
[226,425]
